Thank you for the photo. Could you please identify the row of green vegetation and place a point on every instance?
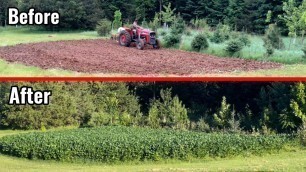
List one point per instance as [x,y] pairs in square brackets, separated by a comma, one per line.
[117,144]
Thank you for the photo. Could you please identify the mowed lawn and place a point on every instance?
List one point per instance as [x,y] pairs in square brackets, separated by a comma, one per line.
[294,160]
[12,36]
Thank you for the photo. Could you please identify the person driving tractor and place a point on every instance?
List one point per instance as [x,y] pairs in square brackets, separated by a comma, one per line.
[136,34]
[135,27]
[135,24]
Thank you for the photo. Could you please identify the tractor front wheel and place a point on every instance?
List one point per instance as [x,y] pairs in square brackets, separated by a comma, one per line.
[125,38]
[140,44]
[157,45]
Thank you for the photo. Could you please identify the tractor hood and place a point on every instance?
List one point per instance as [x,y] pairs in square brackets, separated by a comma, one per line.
[147,31]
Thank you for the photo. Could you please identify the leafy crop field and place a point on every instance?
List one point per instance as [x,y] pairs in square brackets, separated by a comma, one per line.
[117,144]
[288,160]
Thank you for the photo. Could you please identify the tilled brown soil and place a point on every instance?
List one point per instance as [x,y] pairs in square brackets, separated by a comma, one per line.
[105,56]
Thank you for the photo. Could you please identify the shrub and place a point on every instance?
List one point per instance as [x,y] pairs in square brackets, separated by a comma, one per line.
[244,39]
[199,42]
[171,40]
[113,144]
[221,34]
[269,48]
[99,119]
[187,32]
[163,33]
[117,19]
[178,26]
[233,46]
[104,27]
[168,112]
[217,37]
[202,126]
[273,37]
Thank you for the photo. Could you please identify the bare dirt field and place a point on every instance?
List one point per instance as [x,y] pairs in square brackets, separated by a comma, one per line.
[107,57]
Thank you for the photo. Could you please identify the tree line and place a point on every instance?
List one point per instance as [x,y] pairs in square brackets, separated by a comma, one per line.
[247,107]
[242,15]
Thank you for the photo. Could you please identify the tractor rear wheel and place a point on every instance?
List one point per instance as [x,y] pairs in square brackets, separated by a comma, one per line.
[140,44]
[125,38]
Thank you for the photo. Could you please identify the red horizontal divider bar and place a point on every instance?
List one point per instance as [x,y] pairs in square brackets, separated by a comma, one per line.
[152,79]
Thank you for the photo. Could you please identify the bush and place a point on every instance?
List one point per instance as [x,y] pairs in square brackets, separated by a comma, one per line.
[217,37]
[273,37]
[233,46]
[178,26]
[104,27]
[221,34]
[244,39]
[187,32]
[202,126]
[172,40]
[163,33]
[117,19]
[168,112]
[113,144]
[199,42]
[269,48]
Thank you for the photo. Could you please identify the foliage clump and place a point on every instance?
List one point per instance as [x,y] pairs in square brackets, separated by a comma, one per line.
[168,112]
[221,34]
[104,27]
[269,48]
[117,19]
[199,42]
[225,118]
[168,14]
[177,29]
[171,40]
[273,37]
[178,26]
[163,33]
[202,126]
[245,40]
[233,47]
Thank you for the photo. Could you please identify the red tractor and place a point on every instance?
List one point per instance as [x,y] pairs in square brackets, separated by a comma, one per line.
[140,36]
